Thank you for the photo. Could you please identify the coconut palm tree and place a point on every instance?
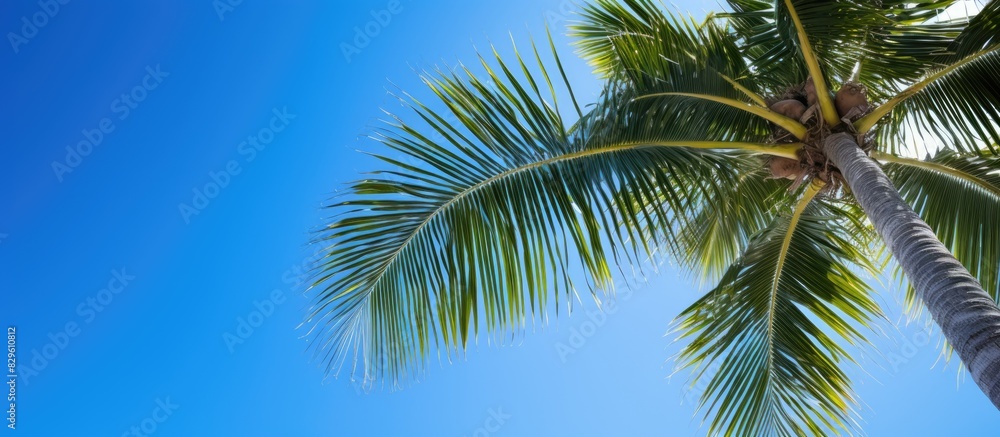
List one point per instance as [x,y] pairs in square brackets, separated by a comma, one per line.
[718,144]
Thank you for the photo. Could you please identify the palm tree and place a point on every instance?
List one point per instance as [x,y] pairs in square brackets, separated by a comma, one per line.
[720,145]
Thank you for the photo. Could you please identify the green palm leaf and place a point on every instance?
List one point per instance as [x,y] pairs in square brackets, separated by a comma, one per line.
[649,51]
[779,372]
[483,228]
[951,96]
[837,32]
[720,230]
[882,44]
[911,39]
[958,195]
[977,33]
[956,105]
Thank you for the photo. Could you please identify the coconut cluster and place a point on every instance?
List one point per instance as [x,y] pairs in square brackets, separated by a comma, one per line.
[801,103]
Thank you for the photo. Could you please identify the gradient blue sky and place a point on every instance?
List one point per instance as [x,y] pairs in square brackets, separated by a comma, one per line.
[161,338]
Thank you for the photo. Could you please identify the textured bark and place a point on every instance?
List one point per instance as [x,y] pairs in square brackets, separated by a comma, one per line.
[967,315]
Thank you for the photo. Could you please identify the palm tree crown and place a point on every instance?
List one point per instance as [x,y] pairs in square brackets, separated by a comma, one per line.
[710,144]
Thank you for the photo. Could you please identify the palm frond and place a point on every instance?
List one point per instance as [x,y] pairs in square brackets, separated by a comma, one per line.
[957,105]
[647,50]
[777,325]
[793,126]
[638,39]
[719,232]
[886,45]
[978,32]
[958,195]
[948,95]
[836,32]
[865,124]
[821,83]
[900,49]
[483,227]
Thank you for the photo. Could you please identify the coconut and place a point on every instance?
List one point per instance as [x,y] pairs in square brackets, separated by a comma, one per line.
[810,89]
[782,167]
[790,108]
[851,97]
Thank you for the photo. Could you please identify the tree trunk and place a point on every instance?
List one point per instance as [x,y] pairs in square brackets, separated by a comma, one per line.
[967,315]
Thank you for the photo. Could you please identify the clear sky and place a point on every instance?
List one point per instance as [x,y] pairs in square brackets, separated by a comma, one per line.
[211,134]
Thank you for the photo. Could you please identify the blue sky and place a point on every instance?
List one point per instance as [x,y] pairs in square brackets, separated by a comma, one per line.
[162,168]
